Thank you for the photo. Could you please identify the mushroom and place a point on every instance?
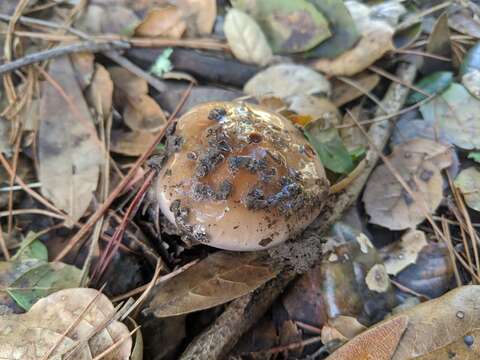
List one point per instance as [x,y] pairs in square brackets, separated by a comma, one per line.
[239,177]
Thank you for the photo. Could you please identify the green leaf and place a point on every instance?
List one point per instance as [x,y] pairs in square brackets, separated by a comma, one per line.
[344,30]
[475,156]
[431,84]
[290,26]
[162,64]
[330,148]
[31,248]
[471,61]
[41,280]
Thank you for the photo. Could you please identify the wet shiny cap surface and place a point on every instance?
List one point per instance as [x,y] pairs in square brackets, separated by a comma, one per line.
[239,177]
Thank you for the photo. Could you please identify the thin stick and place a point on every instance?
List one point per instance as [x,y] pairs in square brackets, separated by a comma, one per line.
[40,56]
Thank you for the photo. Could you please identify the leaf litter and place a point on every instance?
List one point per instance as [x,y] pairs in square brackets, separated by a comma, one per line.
[76,130]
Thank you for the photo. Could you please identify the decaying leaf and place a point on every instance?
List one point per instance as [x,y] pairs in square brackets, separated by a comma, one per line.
[344,30]
[166,22]
[343,93]
[419,162]
[432,84]
[406,253]
[456,113]
[438,44]
[131,143]
[200,15]
[352,136]
[34,334]
[377,278]
[464,22]
[376,40]
[100,92]
[69,151]
[315,107]
[290,26]
[221,277]
[285,80]
[30,280]
[437,323]
[468,181]
[142,113]
[377,343]
[464,348]
[246,38]
[471,81]
[84,68]
[126,83]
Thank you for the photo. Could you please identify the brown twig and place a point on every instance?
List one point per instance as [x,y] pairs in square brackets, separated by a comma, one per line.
[40,56]
[216,341]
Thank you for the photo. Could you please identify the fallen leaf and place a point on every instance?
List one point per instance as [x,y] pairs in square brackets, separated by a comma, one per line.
[142,113]
[471,62]
[221,277]
[100,93]
[432,84]
[31,248]
[118,20]
[162,22]
[439,322]
[32,335]
[246,38]
[290,26]
[30,280]
[343,93]
[471,81]
[5,146]
[464,348]
[329,147]
[464,22]
[315,107]
[406,252]
[126,83]
[376,40]
[377,343]
[456,113]
[405,37]
[344,29]
[438,44]
[407,129]
[352,136]
[419,162]
[84,67]
[388,11]
[284,80]
[131,143]
[69,151]
[348,326]
[200,15]
[468,182]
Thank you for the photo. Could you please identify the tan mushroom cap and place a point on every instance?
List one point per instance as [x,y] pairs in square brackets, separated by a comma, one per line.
[239,177]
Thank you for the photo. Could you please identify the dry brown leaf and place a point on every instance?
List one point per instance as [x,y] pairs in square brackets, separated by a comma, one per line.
[316,107]
[285,80]
[166,22]
[118,20]
[131,143]
[468,184]
[200,15]
[83,66]
[246,39]
[32,335]
[419,162]
[352,136]
[100,92]
[377,278]
[407,252]
[142,113]
[464,348]
[127,83]
[437,323]
[348,326]
[377,343]
[343,93]
[375,42]
[221,277]
[69,151]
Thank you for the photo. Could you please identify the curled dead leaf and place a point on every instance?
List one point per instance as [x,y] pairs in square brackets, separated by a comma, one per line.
[142,113]
[167,22]
[407,252]
[419,162]
[375,42]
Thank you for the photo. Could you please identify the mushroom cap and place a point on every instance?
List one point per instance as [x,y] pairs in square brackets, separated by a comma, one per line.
[239,177]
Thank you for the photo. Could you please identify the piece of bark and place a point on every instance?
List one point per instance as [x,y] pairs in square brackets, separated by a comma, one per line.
[199,64]
[217,340]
